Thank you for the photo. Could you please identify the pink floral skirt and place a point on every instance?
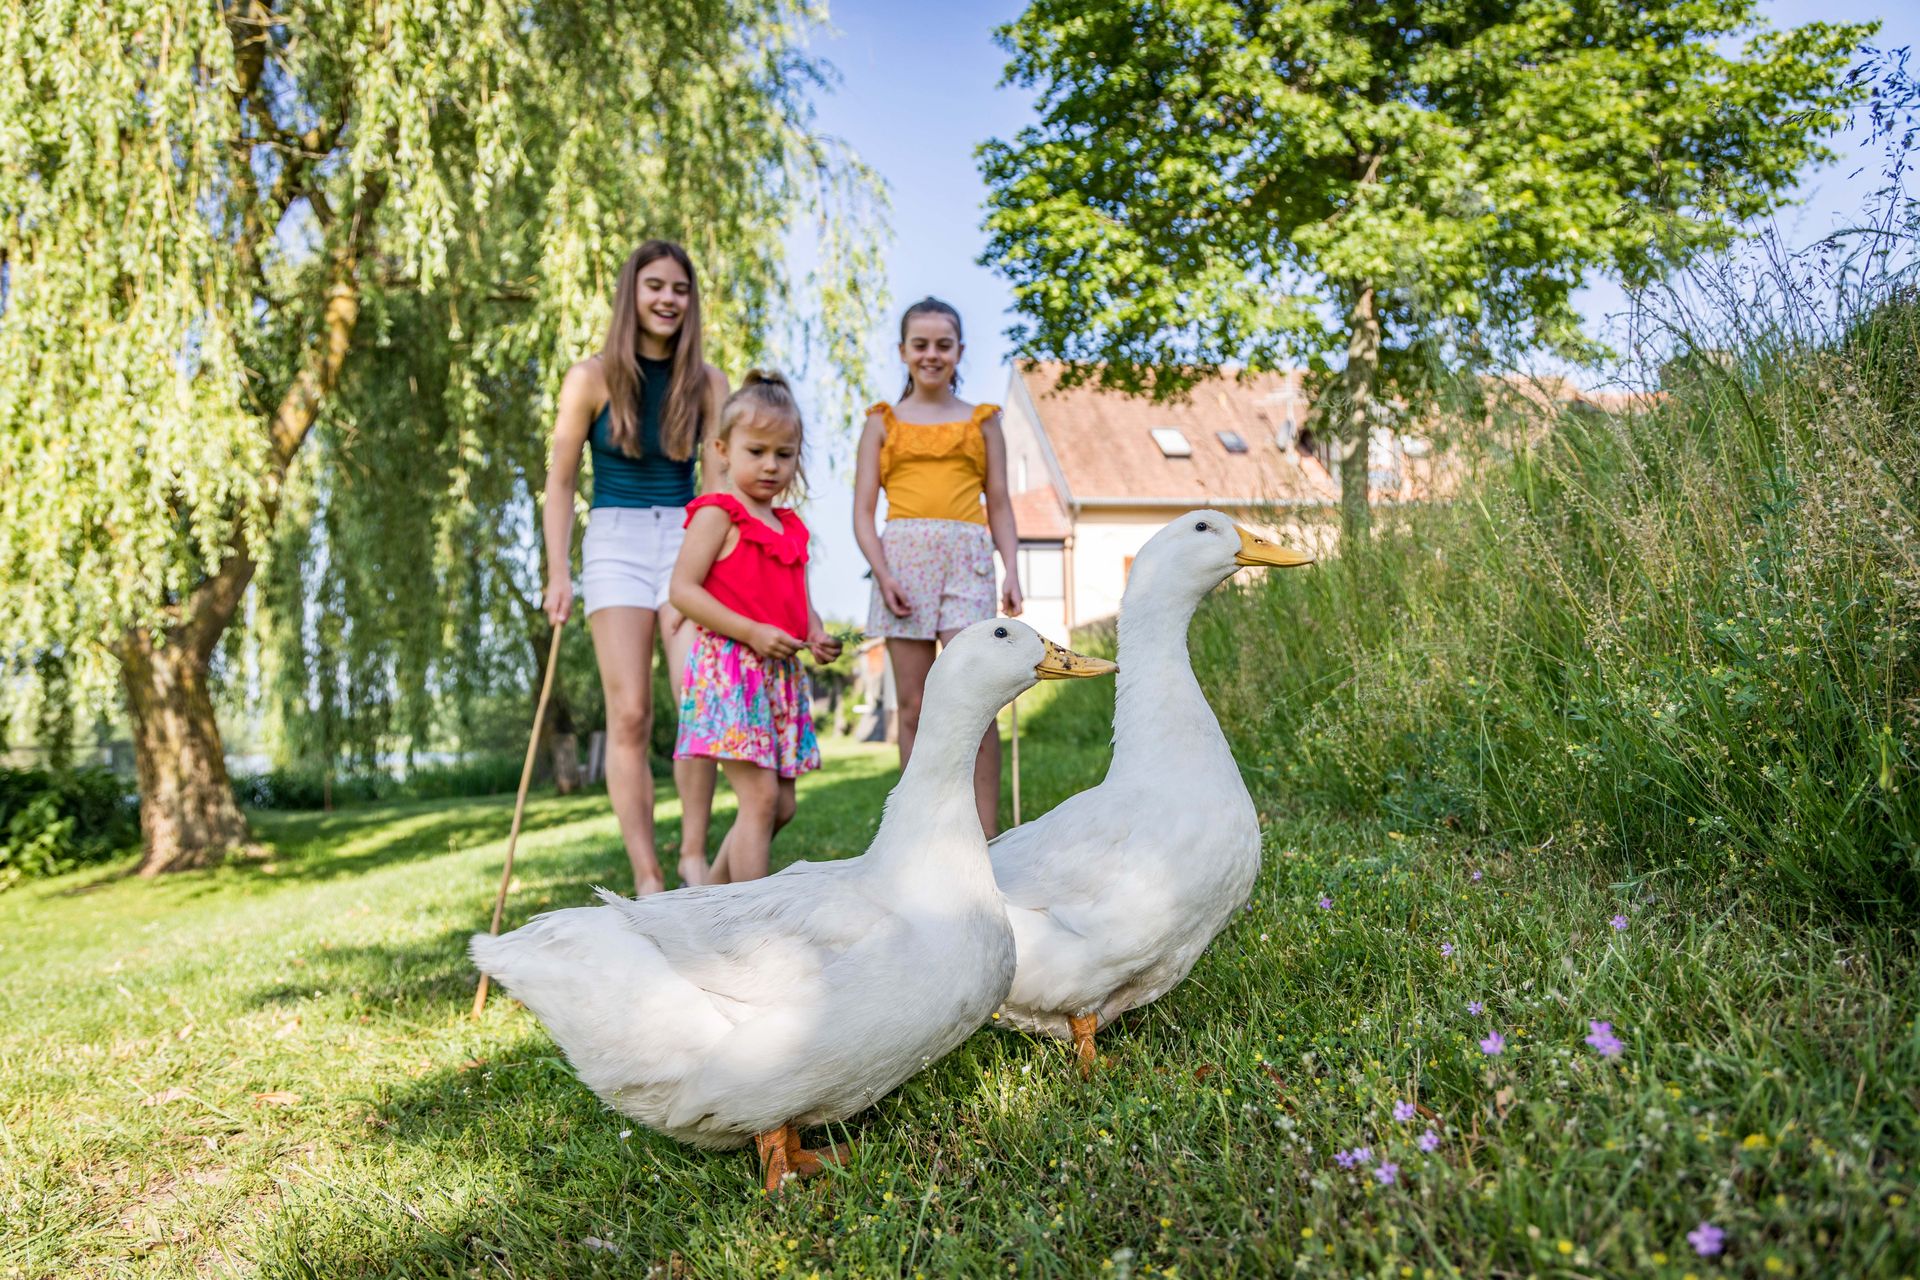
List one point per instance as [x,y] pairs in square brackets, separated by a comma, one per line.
[738,705]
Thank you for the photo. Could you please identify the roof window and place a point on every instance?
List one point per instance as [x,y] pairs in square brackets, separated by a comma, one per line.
[1171,442]
[1232,441]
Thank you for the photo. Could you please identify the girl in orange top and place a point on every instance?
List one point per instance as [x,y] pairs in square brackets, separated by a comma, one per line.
[943,464]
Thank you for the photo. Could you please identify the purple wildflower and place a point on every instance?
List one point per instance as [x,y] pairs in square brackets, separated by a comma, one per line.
[1600,1036]
[1387,1173]
[1707,1239]
[1493,1044]
[1429,1140]
[1326,903]
[1476,877]
[1618,923]
[1345,1159]
[1446,948]
[1403,1111]
[1474,1007]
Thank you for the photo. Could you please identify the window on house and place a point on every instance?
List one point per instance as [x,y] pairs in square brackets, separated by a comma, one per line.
[1232,441]
[1321,446]
[1043,573]
[1171,442]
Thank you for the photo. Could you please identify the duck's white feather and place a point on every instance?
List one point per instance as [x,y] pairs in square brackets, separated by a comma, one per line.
[1113,895]
[713,1014]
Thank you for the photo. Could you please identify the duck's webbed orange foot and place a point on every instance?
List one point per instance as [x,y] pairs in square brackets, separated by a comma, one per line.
[807,1161]
[1083,1027]
[782,1156]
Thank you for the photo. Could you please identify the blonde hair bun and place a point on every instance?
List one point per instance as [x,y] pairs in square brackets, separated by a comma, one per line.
[766,391]
[765,378]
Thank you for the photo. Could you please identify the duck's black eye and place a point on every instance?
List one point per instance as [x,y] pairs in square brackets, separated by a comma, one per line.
[1201,527]
[1000,632]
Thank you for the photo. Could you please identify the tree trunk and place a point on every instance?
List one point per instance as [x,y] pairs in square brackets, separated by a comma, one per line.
[564,751]
[559,737]
[1356,403]
[188,816]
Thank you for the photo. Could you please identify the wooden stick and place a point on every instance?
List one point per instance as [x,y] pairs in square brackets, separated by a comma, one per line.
[1014,707]
[520,803]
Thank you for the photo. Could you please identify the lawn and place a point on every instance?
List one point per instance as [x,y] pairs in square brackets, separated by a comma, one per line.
[269,1068]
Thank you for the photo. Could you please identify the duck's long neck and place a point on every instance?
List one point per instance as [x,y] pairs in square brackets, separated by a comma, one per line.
[1157,700]
[930,829]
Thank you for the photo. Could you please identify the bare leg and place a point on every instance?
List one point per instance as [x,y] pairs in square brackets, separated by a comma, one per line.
[986,768]
[986,781]
[623,646]
[784,809]
[911,659]
[693,779]
[1083,1028]
[749,844]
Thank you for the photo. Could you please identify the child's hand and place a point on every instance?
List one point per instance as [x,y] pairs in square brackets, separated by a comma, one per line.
[1010,598]
[558,603]
[770,641]
[894,598]
[824,644]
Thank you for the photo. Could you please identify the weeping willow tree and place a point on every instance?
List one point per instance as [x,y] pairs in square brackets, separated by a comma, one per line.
[231,229]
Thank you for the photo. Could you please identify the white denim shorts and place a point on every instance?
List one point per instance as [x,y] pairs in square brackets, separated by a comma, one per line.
[628,554]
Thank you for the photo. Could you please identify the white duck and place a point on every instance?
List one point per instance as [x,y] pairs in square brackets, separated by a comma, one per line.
[729,1012]
[1114,894]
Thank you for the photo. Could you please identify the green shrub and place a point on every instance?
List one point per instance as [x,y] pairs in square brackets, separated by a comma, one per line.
[55,820]
[305,786]
[1687,639]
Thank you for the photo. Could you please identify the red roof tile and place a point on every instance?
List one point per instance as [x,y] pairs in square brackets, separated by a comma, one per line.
[1106,453]
[1038,515]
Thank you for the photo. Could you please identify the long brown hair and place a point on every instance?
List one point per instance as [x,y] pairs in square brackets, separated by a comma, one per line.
[767,392]
[685,412]
[931,306]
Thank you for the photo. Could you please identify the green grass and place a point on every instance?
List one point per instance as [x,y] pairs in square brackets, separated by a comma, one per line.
[1663,669]
[268,1068]
[1682,643]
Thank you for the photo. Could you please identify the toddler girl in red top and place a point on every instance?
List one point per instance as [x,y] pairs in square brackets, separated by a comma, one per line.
[742,577]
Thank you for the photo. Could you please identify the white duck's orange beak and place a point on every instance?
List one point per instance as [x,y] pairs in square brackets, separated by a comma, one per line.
[1256,550]
[1065,664]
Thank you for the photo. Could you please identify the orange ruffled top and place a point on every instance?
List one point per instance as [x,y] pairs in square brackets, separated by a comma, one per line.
[935,470]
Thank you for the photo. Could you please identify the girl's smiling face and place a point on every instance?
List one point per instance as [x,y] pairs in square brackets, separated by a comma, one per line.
[762,454]
[932,351]
[661,299]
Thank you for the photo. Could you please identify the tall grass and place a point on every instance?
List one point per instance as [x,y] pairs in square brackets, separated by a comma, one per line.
[1687,638]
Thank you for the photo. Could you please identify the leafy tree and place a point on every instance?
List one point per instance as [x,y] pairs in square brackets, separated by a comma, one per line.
[1417,184]
[231,227]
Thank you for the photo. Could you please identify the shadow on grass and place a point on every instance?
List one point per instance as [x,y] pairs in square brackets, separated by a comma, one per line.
[325,846]
[532,1168]
[539,1178]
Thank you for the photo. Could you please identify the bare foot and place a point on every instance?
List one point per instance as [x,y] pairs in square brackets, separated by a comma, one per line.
[693,870]
[652,882]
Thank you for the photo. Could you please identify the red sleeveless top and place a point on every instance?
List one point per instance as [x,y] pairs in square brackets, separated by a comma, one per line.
[764,577]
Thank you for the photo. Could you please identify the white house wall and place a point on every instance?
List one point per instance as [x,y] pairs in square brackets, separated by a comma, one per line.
[1028,463]
[1104,540]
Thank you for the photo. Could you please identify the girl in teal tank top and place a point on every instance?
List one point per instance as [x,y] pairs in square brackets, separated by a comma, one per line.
[653,479]
[645,397]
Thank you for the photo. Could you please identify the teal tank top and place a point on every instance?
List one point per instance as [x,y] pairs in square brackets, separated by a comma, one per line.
[652,479]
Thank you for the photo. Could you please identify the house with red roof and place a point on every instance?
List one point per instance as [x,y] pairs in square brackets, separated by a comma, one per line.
[1096,473]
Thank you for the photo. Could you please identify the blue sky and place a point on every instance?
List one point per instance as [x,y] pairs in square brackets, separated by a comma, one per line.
[920,91]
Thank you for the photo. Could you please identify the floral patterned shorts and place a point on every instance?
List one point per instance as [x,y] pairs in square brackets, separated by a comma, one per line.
[738,705]
[946,569]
